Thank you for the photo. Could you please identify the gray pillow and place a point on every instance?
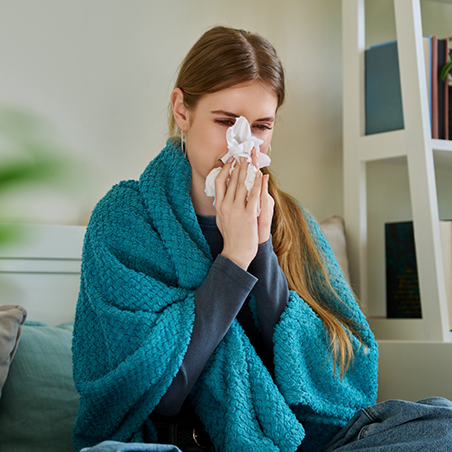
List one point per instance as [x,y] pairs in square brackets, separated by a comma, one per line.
[334,230]
[12,318]
[39,401]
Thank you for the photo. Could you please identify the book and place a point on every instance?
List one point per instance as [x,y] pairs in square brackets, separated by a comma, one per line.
[383,103]
[435,76]
[428,71]
[450,110]
[441,60]
[448,118]
[403,298]
[402,282]
[446,93]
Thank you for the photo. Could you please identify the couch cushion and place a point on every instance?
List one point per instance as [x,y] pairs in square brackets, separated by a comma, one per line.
[39,401]
[12,318]
[334,230]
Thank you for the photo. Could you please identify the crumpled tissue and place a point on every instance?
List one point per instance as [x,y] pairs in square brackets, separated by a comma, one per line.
[240,144]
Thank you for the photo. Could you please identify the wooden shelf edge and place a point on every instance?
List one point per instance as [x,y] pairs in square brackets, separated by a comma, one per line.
[442,145]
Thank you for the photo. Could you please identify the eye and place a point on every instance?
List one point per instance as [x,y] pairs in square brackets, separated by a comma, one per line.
[262,127]
[225,122]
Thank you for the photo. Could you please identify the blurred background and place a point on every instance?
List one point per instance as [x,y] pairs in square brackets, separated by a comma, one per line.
[97,75]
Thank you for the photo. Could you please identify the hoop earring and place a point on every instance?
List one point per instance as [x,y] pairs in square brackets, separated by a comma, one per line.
[182,143]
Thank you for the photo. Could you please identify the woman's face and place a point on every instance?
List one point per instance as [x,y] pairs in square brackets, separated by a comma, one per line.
[208,122]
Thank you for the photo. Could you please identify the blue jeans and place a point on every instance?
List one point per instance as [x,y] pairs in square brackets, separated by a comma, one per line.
[391,426]
[115,446]
[398,426]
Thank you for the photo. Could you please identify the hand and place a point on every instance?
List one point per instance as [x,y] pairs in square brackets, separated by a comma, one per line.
[236,217]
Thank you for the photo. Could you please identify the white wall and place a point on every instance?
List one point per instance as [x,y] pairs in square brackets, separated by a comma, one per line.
[102,70]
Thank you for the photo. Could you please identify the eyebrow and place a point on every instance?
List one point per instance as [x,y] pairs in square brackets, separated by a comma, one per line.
[233,115]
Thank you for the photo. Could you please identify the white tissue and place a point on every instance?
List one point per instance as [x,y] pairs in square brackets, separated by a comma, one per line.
[210,182]
[240,144]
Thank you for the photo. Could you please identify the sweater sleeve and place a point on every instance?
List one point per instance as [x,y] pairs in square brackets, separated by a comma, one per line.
[230,285]
[271,293]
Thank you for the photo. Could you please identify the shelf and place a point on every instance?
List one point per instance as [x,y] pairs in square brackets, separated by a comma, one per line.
[391,145]
[414,147]
[381,146]
[442,145]
[400,329]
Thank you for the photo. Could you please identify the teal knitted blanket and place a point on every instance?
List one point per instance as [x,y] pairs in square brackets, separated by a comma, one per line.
[144,257]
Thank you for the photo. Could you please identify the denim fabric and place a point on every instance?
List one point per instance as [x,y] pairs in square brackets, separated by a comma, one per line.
[115,446]
[398,426]
[391,426]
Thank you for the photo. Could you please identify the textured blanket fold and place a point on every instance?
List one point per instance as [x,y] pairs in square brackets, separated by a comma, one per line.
[144,257]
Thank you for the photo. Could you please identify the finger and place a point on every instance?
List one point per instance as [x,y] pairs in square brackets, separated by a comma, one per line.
[267,201]
[264,192]
[255,193]
[221,182]
[241,190]
[265,183]
[254,158]
[233,178]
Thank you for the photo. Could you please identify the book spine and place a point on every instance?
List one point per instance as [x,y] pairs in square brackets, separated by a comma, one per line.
[450,111]
[434,87]
[430,81]
[402,282]
[428,73]
[383,95]
[446,94]
[442,58]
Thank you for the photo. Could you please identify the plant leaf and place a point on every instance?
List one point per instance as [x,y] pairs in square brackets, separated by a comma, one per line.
[445,71]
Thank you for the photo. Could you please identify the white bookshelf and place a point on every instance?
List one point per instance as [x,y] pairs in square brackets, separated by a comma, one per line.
[415,145]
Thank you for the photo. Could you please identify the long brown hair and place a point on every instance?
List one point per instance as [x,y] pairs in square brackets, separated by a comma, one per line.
[222,58]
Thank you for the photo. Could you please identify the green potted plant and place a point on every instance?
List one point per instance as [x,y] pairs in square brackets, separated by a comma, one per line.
[30,155]
[447,67]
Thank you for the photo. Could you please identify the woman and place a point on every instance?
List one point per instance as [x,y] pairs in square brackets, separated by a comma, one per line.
[223,327]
